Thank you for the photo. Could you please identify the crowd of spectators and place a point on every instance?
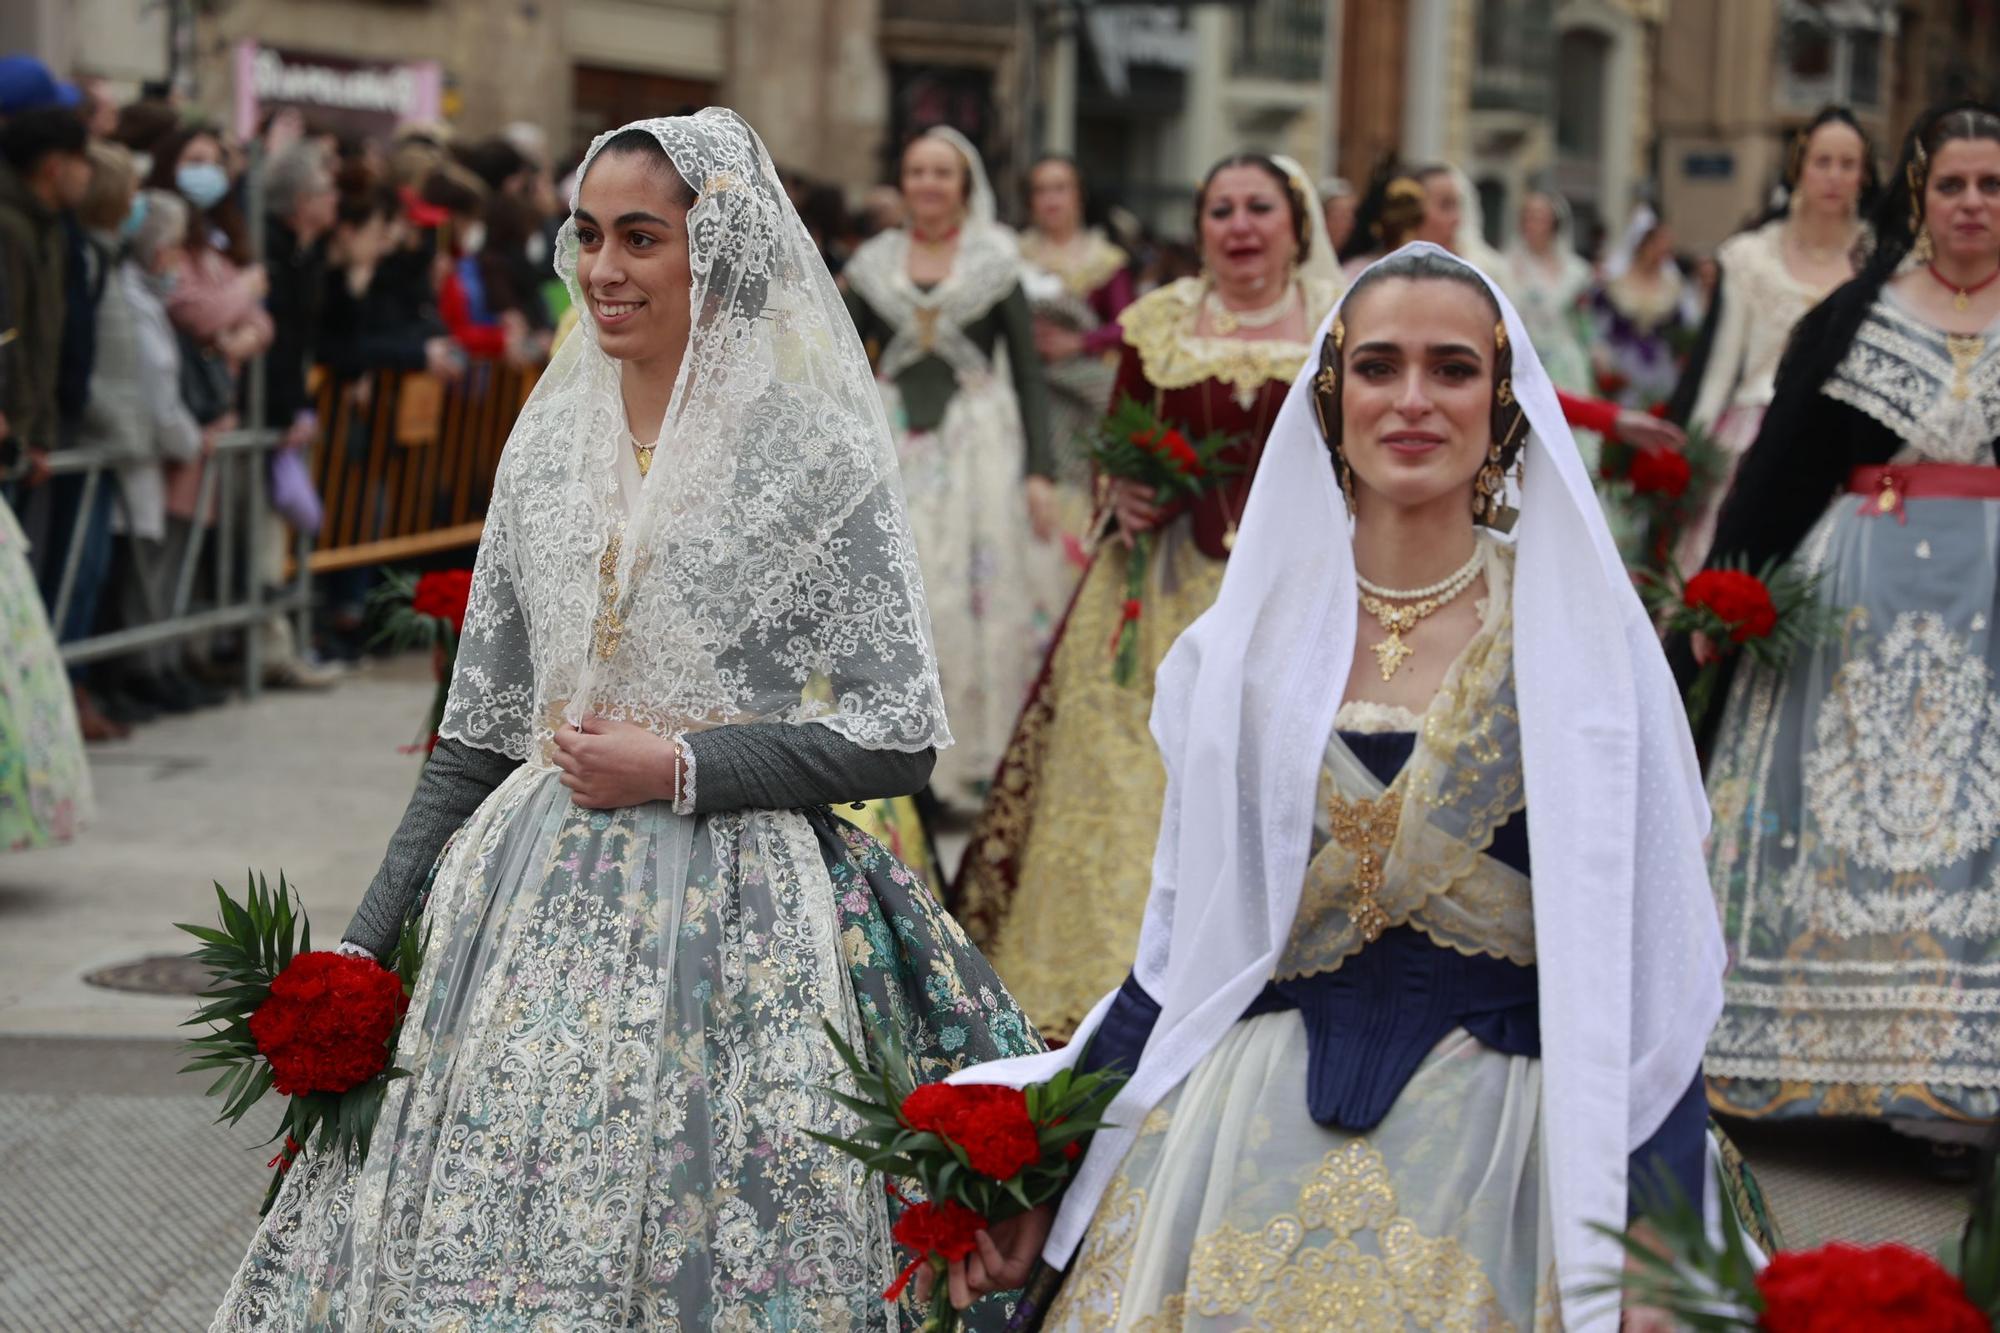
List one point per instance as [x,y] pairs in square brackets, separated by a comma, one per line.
[152,266]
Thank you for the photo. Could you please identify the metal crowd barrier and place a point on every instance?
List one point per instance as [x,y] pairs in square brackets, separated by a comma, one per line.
[404,466]
[232,492]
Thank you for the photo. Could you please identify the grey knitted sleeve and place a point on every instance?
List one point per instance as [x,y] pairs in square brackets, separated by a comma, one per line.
[787,766]
[455,780]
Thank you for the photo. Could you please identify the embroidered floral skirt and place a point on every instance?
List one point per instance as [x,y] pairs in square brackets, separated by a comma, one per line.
[1055,879]
[1234,1209]
[44,779]
[1856,851]
[616,1051]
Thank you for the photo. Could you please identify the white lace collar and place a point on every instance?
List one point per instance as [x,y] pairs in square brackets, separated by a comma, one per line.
[1939,393]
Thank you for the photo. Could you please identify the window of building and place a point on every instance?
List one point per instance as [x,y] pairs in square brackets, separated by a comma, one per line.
[1831,51]
[1583,60]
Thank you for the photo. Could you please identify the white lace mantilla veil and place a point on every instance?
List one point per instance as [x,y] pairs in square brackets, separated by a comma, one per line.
[768,555]
[981,208]
[1630,954]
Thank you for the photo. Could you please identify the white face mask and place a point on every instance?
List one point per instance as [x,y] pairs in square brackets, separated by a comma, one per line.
[473,239]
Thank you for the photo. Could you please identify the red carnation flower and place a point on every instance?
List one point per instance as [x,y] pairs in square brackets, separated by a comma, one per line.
[443,595]
[1740,600]
[1660,471]
[1145,439]
[327,1022]
[945,1229]
[1841,1288]
[988,1121]
[1183,454]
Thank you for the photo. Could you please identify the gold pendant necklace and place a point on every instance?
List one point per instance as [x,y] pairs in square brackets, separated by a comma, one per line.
[1396,621]
[644,454]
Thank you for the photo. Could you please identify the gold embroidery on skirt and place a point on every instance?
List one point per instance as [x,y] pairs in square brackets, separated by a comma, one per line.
[1270,1278]
[1078,799]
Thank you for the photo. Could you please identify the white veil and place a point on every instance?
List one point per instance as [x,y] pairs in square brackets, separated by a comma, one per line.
[981,208]
[1630,951]
[767,570]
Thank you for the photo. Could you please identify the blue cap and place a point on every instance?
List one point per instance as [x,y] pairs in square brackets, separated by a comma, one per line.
[27,85]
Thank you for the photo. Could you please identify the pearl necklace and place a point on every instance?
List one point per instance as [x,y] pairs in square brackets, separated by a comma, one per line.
[1396,621]
[1226,321]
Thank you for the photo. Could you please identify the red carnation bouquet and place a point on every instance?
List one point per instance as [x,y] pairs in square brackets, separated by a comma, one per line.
[1838,1288]
[1767,615]
[1665,486]
[317,1026]
[1135,444]
[980,1153]
[424,611]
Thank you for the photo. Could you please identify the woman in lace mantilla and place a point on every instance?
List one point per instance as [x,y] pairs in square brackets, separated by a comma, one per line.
[940,302]
[1771,276]
[1856,857]
[1054,880]
[648,914]
[1429,957]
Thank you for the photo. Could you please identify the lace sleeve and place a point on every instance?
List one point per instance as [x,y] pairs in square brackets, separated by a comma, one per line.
[492,699]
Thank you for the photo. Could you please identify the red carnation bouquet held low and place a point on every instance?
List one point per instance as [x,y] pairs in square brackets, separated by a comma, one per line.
[1768,615]
[1134,444]
[981,1153]
[1716,1287]
[424,611]
[1666,486]
[318,1026]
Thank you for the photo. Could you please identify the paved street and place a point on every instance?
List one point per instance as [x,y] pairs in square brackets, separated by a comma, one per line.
[123,1208]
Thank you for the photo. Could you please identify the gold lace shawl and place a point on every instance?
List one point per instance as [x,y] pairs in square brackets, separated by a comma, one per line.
[1160,327]
[1413,853]
[1094,267]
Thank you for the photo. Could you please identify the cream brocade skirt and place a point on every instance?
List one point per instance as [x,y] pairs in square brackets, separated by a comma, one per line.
[1235,1209]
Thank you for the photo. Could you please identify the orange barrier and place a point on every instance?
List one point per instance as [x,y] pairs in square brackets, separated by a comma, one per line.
[405,461]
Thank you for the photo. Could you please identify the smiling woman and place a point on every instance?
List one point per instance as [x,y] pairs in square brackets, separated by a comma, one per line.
[1394,1042]
[649,918]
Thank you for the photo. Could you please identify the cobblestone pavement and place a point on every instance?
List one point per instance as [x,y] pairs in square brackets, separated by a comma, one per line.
[123,1207]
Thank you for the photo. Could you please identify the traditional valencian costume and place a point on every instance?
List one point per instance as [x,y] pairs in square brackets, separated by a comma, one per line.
[45,791]
[1413,995]
[1857,792]
[1082,287]
[1759,301]
[616,1043]
[963,388]
[1054,881]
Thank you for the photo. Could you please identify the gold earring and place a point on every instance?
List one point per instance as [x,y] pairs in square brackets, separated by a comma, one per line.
[1487,489]
[1925,250]
[1500,337]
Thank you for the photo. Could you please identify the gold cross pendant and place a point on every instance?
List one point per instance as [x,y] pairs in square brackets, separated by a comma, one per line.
[1391,653]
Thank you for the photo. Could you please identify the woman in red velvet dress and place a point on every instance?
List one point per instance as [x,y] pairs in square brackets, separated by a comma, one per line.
[1056,877]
